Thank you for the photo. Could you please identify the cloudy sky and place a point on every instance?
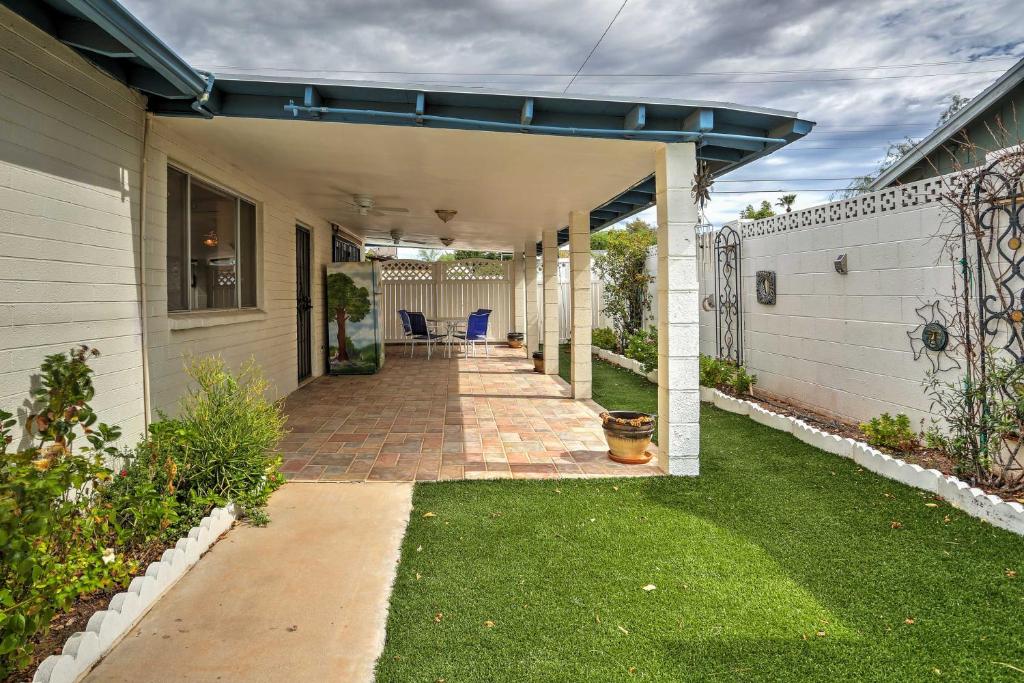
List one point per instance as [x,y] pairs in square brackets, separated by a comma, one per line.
[869,73]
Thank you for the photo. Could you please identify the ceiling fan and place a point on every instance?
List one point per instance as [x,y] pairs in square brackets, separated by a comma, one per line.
[364,205]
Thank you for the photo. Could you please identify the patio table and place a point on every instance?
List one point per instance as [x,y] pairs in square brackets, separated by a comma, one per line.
[450,324]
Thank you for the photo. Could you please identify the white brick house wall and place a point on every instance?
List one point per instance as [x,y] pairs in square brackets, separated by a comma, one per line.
[836,342]
[70,259]
[70,143]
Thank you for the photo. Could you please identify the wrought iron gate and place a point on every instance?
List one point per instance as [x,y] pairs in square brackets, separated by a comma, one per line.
[728,321]
[303,305]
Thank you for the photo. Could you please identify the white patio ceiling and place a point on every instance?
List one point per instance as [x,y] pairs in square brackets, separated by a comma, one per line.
[505,187]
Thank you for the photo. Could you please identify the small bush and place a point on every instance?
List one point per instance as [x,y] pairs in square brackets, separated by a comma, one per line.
[56,541]
[221,444]
[887,431]
[742,382]
[643,347]
[605,338]
[718,373]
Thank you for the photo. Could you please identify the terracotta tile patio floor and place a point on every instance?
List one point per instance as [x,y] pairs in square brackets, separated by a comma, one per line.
[439,419]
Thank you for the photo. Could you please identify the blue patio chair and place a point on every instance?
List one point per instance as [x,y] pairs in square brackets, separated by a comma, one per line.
[420,332]
[476,332]
[406,328]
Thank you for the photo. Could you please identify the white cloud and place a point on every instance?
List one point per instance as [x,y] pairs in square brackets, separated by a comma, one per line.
[857,117]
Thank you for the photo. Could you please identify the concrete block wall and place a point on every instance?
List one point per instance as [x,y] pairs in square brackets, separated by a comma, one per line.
[834,342]
[70,150]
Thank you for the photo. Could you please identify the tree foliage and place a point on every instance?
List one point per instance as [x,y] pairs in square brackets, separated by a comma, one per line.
[626,282]
[763,211]
[786,202]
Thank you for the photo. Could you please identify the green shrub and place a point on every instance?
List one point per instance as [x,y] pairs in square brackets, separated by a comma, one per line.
[643,347]
[141,494]
[714,372]
[741,381]
[887,431]
[56,542]
[718,373]
[221,444]
[605,338]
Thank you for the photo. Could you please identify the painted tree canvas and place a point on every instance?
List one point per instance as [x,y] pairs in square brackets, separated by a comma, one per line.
[353,334]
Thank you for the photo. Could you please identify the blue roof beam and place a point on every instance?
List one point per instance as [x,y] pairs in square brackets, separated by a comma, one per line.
[702,120]
[526,113]
[636,118]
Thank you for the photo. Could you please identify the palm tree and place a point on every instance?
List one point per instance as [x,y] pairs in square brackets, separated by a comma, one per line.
[786,202]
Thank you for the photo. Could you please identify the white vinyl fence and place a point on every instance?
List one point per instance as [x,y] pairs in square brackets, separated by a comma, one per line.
[457,288]
[445,289]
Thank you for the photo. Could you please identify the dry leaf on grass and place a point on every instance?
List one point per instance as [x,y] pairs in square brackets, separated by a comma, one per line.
[488,624]
[895,525]
[430,514]
[438,617]
[623,630]
[649,587]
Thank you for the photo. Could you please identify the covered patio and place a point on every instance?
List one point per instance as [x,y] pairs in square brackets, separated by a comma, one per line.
[460,418]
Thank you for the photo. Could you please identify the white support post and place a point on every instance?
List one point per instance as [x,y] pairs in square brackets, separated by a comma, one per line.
[518,298]
[678,310]
[551,292]
[579,288]
[532,319]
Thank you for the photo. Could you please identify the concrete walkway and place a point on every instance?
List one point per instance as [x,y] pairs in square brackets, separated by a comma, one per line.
[304,599]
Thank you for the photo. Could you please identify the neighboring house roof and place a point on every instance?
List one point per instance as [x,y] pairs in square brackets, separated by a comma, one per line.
[1003,86]
[727,135]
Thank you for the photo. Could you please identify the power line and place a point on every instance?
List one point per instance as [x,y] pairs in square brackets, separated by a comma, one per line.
[865,67]
[594,49]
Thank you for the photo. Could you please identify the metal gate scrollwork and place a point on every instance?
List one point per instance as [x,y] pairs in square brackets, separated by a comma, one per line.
[728,321]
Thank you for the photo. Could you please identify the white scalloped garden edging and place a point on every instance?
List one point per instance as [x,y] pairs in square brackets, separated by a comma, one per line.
[106,627]
[975,502]
[623,362]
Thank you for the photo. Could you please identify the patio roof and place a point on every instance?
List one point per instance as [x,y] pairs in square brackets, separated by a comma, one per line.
[727,135]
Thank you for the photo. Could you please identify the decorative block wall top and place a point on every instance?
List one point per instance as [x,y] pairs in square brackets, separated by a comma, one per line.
[890,200]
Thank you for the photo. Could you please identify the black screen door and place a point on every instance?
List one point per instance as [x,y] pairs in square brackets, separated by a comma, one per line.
[303,304]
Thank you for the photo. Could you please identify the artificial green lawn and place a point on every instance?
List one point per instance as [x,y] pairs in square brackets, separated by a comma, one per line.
[780,562]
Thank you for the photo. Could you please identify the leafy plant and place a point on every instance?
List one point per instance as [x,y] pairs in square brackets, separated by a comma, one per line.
[54,539]
[887,431]
[742,382]
[720,373]
[643,347]
[605,338]
[982,420]
[623,268]
[220,447]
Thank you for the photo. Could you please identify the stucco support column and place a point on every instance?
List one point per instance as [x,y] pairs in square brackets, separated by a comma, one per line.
[550,264]
[678,310]
[518,299]
[579,288]
[530,281]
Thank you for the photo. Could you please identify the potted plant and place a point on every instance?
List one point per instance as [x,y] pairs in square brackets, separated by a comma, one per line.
[515,340]
[628,434]
[538,361]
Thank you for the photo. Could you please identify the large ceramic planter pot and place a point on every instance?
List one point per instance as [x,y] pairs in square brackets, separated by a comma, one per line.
[628,434]
[515,340]
[538,361]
